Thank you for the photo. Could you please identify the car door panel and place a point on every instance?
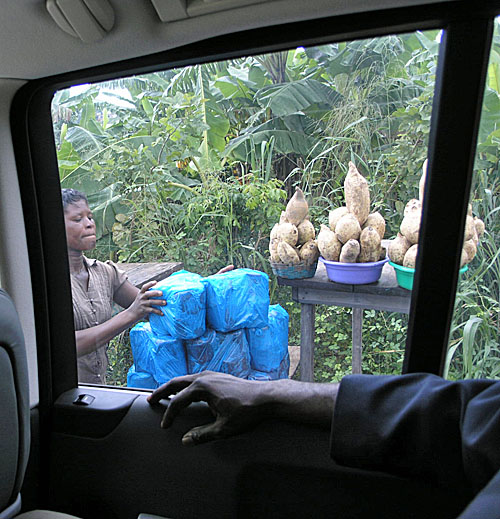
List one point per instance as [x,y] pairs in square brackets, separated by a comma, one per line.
[277,470]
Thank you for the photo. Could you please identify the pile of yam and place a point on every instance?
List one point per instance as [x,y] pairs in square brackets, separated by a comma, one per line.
[403,249]
[353,234]
[292,240]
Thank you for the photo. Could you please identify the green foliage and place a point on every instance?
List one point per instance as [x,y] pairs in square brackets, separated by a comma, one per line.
[120,360]
[229,222]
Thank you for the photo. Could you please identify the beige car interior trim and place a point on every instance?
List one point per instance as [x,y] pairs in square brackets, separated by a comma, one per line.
[14,265]
[89,20]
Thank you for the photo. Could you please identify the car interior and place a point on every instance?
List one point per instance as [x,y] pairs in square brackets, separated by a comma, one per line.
[110,459]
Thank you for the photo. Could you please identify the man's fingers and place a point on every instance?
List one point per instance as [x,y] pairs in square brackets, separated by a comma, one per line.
[203,434]
[170,388]
[182,400]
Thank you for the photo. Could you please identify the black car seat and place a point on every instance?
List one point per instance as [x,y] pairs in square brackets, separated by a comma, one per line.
[14,416]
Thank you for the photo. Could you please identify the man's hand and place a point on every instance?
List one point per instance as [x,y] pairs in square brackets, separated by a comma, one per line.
[233,401]
[236,404]
[239,404]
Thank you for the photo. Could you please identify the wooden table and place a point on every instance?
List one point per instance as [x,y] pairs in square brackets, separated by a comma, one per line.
[140,273]
[319,290]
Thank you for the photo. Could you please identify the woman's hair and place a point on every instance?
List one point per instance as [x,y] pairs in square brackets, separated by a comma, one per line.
[71,196]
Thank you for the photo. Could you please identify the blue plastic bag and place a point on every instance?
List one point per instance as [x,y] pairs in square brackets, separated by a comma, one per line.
[185,313]
[140,379]
[237,299]
[162,357]
[282,372]
[269,344]
[217,351]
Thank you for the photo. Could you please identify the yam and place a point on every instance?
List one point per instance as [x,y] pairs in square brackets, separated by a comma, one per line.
[369,239]
[275,257]
[288,254]
[383,253]
[375,220]
[475,237]
[357,194]
[479,225]
[288,233]
[273,244]
[410,258]
[410,227]
[414,206]
[397,249]
[469,228]
[297,208]
[369,256]
[274,232]
[328,244]
[421,184]
[463,258]
[283,218]
[335,215]
[470,248]
[469,209]
[348,228]
[309,252]
[370,245]
[349,252]
[273,250]
[306,232]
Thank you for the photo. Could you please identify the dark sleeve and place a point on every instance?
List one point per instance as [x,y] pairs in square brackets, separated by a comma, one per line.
[444,433]
[486,505]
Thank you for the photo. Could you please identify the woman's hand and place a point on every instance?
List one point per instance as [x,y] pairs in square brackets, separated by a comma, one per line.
[145,302]
[225,269]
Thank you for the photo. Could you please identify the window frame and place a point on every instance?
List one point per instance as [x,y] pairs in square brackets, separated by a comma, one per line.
[432,303]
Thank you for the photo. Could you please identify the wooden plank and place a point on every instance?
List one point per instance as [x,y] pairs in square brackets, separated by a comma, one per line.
[307,313]
[357,344]
[294,352]
[141,273]
[388,303]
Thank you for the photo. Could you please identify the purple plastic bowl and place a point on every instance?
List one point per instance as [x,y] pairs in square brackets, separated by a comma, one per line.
[354,273]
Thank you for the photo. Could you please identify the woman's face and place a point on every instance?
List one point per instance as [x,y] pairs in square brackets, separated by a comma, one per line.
[80,226]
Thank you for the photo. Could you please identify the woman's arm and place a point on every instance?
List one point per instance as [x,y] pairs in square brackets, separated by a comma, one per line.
[137,303]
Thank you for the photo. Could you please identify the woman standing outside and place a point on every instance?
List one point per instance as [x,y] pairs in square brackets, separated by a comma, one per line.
[95,286]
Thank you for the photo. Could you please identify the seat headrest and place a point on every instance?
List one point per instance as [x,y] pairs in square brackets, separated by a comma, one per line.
[14,404]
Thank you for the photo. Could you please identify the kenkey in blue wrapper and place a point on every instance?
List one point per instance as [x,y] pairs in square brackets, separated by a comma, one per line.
[162,357]
[237,299]
[269,345]
[217,351]
[140,379]
[184,314]
[282,372]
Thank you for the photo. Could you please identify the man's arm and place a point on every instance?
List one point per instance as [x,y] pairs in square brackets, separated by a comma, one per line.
[420,426]
[239,404]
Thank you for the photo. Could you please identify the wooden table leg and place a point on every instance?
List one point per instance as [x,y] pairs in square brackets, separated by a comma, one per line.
[357,345]
[307,342]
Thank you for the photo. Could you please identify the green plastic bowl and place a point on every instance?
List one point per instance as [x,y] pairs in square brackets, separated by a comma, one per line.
[404,275]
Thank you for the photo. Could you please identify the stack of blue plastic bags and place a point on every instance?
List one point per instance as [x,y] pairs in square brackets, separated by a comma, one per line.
[220,323]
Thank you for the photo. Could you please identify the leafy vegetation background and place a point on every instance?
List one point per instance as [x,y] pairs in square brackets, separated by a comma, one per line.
[196,164]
